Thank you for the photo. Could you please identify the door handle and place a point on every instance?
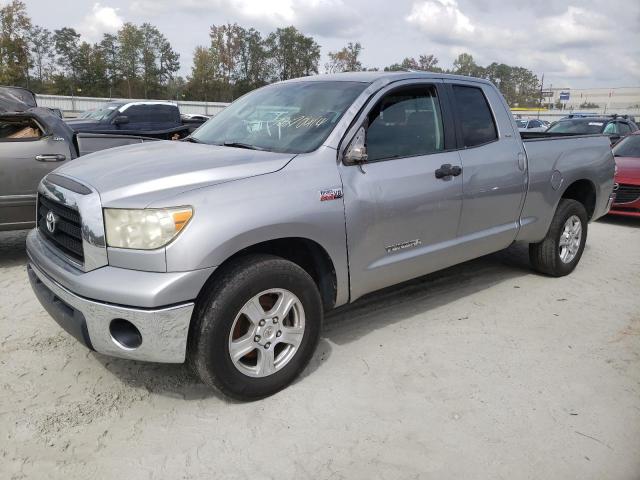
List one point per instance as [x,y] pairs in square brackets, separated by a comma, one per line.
[521,161]
[446,170]
[53,157]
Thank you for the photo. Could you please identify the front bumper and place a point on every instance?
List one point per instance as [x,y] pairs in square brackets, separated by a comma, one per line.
[164,331]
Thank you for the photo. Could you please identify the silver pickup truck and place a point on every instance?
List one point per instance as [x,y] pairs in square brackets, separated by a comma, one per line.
[225,250]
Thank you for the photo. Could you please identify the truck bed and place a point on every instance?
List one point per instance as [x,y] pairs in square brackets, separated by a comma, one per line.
[556,161]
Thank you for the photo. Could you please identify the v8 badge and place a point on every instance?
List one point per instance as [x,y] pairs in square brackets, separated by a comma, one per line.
[330,194]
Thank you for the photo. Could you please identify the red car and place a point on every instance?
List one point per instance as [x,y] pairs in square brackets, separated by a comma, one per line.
[627,186]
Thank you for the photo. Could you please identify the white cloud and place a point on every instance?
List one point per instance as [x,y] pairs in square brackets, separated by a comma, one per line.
[567,41]
[321,17]
[575,27]
[102,19]
[442,20]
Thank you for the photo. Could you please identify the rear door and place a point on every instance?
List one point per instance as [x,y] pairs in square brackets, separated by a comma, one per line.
[399,215]
[23,163]
[494,176]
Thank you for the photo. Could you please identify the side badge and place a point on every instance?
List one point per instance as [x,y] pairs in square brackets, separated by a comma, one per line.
[330,194]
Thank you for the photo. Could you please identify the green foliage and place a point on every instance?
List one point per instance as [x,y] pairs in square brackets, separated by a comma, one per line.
[345,60]
[291,54]
[426,63]
[15,60]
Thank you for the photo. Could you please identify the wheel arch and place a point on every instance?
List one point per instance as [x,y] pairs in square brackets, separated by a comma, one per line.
[583,191]
[304,252]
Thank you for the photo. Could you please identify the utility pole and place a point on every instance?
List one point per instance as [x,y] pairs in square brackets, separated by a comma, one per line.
[540,100]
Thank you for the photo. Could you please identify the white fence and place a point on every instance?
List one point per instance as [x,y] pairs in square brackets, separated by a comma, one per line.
[71,106]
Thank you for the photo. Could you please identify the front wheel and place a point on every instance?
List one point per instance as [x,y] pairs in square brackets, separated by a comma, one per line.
[256,327]
[561,249]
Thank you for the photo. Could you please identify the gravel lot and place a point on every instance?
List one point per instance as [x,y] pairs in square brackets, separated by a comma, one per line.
[485,370]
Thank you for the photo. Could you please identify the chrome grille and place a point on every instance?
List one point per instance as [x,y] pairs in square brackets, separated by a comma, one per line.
[67,234]
[627,193]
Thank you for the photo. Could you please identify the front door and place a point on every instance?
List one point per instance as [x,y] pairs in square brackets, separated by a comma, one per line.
[399,215]
[23,163]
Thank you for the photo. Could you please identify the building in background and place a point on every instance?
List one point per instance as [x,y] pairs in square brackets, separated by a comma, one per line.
[622,100]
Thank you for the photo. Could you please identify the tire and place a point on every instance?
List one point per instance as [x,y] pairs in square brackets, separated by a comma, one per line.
[246,285]
[547,256]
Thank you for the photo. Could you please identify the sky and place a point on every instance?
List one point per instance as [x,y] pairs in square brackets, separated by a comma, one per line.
[576,43]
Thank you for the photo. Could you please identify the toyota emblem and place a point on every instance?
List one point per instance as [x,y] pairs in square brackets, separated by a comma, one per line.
[51,220]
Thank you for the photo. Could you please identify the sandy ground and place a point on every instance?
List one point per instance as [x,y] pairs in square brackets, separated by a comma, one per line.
[485,370]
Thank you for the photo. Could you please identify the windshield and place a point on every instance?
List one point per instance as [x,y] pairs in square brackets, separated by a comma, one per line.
[100,113]
[521,123]
[628,147]
[577,126]
[291,117]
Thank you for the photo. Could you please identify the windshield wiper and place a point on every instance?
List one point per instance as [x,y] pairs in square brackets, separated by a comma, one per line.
[191,139]
[242,145]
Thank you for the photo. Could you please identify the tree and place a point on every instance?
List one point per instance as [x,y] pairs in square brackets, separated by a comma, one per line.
[428,63]
[110,51]
[66,41]
[130,58]
[202,74]
[464,64]
[90,69]
[158,59]
[252,69]
[292,54]
[42,53]
[15,26]
[225,49]
[345,60]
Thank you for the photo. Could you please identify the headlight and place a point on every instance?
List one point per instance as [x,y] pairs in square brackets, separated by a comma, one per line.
[144,229]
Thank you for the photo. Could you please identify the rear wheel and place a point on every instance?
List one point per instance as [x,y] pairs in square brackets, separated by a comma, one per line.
[256,327]
[561,249]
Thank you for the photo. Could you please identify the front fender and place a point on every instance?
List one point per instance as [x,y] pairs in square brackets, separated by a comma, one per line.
[232,216]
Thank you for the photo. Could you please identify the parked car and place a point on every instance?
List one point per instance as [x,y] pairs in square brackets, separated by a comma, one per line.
[627,186]
[149,118]
[193,120]
[33,143]
[532,125]
[225,250]
[613,126]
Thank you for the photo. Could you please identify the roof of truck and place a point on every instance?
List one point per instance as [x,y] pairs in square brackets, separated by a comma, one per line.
[370,77]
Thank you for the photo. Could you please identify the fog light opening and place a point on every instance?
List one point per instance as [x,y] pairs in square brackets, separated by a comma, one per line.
[125,334]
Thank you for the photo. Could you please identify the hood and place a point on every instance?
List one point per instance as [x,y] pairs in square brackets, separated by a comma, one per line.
[16,99]
[628,167]
[136,175]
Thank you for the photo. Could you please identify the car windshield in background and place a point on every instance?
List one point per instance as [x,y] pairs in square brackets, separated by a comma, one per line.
[293,117]
[101,113]
[578,125]
[521,123]
[628,147]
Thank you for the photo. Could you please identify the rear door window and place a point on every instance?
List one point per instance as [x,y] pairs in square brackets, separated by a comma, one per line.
[163,113]
[474,116]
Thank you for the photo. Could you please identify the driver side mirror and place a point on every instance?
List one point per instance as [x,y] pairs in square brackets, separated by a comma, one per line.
[120,120]
[356,151]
